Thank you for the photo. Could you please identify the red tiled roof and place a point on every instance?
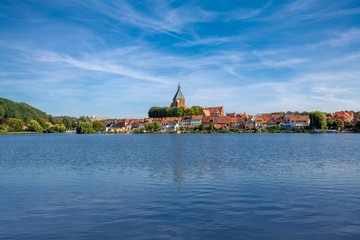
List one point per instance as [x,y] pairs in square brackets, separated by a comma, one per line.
[224,119]
[237,119]
[299,117]
[196,117]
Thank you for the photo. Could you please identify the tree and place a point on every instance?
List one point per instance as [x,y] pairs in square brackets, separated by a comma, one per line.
[41,122]
[357,124]
[338,124]
[67,122]
[175,112]
[157,126]
[330,124]
[16,124]
[153,126]
[48,125]
[97,125]
[275,128]
[2,111]
[211,127]
[201,127]
[317,120]
[194,110]
[60,128]
[348,125]
[84,127]
[161,112]
[34,126]
[51,119]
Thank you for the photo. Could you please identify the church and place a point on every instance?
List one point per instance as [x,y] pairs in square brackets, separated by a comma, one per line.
[179,99]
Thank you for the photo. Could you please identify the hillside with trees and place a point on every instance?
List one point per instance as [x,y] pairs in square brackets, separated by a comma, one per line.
[23,111]
[21,118]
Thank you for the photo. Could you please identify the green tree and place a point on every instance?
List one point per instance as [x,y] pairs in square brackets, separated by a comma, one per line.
[153,126]
[84,127]
[97,125]
[60,128]
[51,119]
[157,126]
[34,126]
[16,124]
[317,120]
[338,124]
[41,122]
[275,128]
[67,122]
[194,110]
[201,127]
[330,124]
[2,111]
[211,127]
[161,112]
[48,125]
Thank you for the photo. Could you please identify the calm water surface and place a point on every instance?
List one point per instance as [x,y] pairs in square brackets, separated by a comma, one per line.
[210,186]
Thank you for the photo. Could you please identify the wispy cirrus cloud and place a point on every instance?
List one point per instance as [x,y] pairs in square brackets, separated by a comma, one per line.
[119,58]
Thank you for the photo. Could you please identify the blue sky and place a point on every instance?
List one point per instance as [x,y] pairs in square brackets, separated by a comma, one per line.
[119,58]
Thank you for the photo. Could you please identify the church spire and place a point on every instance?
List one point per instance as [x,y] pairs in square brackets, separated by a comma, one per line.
[179,99]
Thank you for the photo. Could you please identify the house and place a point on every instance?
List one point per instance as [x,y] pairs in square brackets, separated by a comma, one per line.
[330,116]
[237,122]
[287,116]
[207,120]
[345,116]
[107,125]
[122,123]
[170,123]
[195,120]
[222,122]
[212,111]
[262,122]
[186,122]
[250,123]
[298,121]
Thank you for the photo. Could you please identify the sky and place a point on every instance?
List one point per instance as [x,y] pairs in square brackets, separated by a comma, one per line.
[119,58]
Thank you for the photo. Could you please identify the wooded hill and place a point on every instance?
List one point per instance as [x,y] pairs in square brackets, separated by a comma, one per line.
[23,111]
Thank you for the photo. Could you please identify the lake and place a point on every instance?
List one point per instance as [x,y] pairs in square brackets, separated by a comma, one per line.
[193,186]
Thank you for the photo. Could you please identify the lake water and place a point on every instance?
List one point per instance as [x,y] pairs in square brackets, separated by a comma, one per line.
[199,186]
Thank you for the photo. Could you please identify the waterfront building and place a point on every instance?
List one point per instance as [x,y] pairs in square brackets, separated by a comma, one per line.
[298,121]
[288,116]
[186,121]
[195,120]
[237,122]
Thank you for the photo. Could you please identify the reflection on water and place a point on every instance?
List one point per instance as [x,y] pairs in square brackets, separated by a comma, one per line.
[211,186]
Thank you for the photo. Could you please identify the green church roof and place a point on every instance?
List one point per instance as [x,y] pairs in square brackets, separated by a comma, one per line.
[179,94]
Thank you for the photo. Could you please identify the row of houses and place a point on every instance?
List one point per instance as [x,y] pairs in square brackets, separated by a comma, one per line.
[215,116]
[348,117]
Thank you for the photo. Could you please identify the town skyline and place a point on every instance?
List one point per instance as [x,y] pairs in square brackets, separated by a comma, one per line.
[118,59]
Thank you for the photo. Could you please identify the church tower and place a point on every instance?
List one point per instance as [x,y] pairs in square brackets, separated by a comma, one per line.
[179,99]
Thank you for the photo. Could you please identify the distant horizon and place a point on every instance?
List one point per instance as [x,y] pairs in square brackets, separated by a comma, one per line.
[118,59]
